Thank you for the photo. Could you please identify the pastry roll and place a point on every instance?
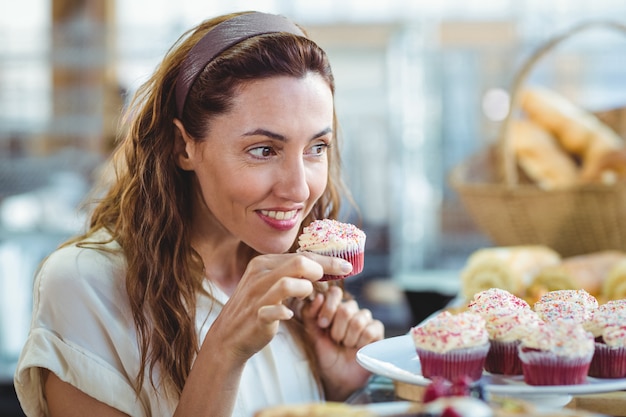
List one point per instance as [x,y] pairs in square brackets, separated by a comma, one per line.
[510,268]
[587,272]
[541,157]
[614,286]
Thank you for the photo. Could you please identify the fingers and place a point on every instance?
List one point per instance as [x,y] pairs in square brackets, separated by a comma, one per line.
[372,332]
[343,318]
[328,309]
[329,264]
[347,324]
[307,265]
[288,287]
[271,313]
[361,329]
[288,265]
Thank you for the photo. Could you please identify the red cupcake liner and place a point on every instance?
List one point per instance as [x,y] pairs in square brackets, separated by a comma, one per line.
[453,364]
[503,358]
[546,368]
[608,362]
[357,259]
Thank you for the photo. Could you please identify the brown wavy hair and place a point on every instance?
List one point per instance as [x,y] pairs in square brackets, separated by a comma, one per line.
[147,207]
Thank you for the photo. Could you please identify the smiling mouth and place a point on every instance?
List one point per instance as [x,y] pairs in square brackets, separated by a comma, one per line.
[280,215]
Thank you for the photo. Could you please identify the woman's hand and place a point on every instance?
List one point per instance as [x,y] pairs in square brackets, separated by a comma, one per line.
[250,318]
[338,329]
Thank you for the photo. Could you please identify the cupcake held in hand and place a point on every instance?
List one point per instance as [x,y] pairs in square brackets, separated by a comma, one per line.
[452,346]
[333,238]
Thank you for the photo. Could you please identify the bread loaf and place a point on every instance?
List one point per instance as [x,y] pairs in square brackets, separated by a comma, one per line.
[578,131]
[540,156]
[609,168]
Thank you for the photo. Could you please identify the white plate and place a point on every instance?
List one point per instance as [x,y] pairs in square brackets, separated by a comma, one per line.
[395,358]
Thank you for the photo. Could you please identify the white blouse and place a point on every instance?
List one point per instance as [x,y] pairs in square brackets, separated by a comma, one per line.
[82,330]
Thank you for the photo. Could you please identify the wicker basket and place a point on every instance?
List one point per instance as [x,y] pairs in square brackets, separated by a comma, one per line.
[510,211]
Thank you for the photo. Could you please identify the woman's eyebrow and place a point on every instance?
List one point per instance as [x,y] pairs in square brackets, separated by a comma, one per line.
[282,138]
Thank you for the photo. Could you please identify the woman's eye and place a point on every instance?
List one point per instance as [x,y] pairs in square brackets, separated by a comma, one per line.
[262,152]
[319,149]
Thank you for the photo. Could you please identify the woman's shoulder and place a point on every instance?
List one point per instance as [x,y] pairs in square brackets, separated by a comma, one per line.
[96,262]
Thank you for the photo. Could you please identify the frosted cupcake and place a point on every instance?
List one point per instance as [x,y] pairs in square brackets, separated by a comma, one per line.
[577,305]
[332,238]
[506,327]
[608,326]
[494,299]
[556,353]
[452,345]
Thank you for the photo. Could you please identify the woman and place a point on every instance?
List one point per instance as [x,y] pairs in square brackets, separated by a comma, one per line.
[186,297]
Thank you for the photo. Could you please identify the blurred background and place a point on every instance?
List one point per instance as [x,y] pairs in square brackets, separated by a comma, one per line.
[421,85]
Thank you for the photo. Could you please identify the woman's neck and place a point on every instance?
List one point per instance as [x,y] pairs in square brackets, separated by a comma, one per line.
[225,263]
[224,256]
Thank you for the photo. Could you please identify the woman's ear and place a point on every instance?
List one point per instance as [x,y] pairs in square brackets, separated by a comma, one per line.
[183,147]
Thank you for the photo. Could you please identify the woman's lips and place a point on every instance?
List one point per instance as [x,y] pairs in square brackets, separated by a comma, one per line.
[279,219]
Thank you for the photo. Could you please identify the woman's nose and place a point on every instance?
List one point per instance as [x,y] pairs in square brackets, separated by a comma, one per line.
[293,181]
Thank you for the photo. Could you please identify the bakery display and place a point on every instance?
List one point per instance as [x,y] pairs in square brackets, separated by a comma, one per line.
[333,238]
[530,271]
[511,268]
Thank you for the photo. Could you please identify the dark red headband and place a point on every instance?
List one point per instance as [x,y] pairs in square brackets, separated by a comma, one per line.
[222,37]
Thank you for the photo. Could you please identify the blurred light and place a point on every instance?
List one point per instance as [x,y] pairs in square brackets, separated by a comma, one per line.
[21,212]
[496,104]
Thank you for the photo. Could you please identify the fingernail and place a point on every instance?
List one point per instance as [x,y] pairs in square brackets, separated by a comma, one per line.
[346,267]
[323,322]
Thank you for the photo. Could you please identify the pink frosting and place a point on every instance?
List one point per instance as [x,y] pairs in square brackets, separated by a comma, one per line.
[565,338]
[508,325]
[446,332]
[331,235]
[615,336]
[609,314]
[578,305]
[495,298]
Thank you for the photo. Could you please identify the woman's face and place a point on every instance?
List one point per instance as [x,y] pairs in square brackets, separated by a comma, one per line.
[264,164]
